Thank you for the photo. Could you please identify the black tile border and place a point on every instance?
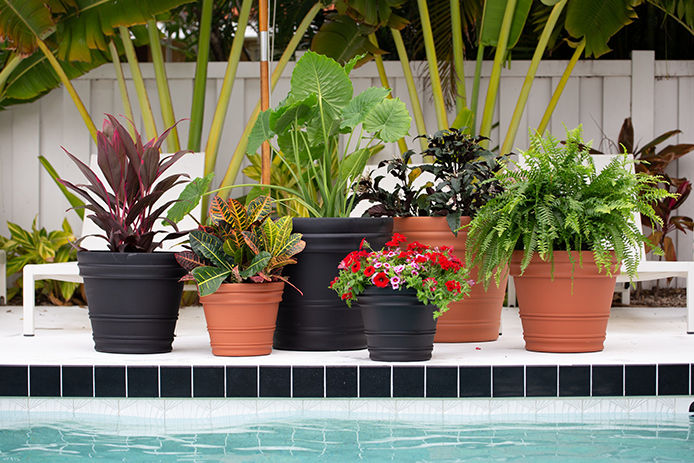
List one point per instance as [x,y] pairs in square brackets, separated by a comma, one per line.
[347,381]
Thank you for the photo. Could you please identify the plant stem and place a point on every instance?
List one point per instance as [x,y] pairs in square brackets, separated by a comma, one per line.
[10,66]
[411,87]
[530,76]
[499,56]
[560,87]
[145,107]
[458,56]
[439,104]
[68,86]
[125,99]
[197,110]
[167,112]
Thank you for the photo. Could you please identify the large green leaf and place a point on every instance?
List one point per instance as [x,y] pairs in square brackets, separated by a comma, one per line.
[22,22]
[189,197]
[324,77]
[292,115]
[341,38]
[258,264]
[259,208]
[209,279]
[353,164]
[211,248]
[597,21]
[356,110]
[260,132]
[389,120]
[493,16]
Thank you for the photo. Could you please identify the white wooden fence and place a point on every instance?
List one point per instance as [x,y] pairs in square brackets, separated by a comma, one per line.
[658,95]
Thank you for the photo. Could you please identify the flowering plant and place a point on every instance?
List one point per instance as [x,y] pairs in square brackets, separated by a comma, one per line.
[434,273]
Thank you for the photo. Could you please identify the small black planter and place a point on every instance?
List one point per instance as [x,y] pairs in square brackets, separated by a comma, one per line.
[319,320]
[398,327]
[133,300]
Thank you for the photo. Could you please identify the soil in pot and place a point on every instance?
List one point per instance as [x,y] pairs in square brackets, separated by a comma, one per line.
[398,327]
[476,318]
[564,314]
[133,300]
[319,320]
[241,318]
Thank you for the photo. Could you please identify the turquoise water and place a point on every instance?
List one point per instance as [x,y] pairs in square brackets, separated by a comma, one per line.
[308,440]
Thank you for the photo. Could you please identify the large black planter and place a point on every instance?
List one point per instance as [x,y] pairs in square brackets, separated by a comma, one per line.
[133,300]
[398,327]
[319,320]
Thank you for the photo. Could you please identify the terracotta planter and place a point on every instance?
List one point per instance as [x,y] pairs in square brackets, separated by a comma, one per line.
[241,318]
[557,317]
[476,318]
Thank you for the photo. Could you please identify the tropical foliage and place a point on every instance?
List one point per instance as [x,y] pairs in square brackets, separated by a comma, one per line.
[39,246]
[128,209]
[241,244]
[559,201]
[435,273]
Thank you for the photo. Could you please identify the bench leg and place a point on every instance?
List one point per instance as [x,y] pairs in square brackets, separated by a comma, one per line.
[3,277]
[28,301]
[690,303]
[511,294]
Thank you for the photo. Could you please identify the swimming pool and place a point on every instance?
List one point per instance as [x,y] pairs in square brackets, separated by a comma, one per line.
[63,439]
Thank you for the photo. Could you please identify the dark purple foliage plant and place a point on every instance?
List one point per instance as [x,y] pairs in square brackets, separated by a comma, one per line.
[128,209]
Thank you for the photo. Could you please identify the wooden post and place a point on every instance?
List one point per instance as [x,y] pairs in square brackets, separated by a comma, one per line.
[264,84]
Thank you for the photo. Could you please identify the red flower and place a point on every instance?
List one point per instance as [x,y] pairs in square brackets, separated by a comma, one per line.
[332,283]
[452,285]
[363,242]
[370,270]
[417,246]
[432,283]
[399,238]
[392,244]
[380,279]
[356,267]
[347,295]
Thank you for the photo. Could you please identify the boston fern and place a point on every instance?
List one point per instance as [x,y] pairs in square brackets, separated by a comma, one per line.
[559,202]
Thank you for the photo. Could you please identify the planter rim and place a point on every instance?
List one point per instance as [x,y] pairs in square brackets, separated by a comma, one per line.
[559,256]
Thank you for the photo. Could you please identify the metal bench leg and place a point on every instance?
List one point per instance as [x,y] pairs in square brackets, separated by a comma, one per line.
[28,300]
[3,277]
[511,295]
[690,302]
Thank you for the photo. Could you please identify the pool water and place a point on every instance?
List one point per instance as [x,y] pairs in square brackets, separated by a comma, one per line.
[308,440]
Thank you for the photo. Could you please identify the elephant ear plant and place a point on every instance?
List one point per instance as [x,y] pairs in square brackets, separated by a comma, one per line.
[241,244]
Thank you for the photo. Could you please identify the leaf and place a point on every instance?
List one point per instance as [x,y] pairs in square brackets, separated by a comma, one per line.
[342,39]
[22,22]
[189,260]
[353,164]
[71,198]
[259,208]
[258,263]
[493,16]
[210,247]
[292,115]
[209,279]
[359,107]
[189,197]
[597,21]
[463,120]
[260,132]
[389,120]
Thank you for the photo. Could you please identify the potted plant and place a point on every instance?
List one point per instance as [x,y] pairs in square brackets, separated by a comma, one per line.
[565,228]
[304,131]
[429,203]
[237,262]
[133,293]
[401,293]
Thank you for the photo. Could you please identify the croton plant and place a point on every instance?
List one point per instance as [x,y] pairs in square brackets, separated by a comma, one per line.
[240,244]
[128,210]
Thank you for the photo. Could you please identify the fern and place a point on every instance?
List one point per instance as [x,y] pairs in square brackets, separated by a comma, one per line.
[558,201]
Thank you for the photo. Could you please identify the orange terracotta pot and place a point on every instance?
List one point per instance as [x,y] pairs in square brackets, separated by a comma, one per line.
[241,318]
[476,317]
[563,315]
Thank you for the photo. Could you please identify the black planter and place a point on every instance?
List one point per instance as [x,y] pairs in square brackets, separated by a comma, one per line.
[398,327]
[133,300]
[319,320]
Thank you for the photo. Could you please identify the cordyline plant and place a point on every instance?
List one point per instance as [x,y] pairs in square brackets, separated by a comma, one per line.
[240,244]
[434,273]
[127,209]
[560,202]
[462,174]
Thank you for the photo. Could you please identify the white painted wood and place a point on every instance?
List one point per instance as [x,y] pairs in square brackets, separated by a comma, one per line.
[567,112]
[615,107]
[643,91]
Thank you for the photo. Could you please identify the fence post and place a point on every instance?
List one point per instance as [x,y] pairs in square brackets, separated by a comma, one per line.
[643,94]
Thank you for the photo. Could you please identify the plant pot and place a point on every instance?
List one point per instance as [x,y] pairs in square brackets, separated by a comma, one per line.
[563,314]
[477,317]
[398,327]
[241,318]
[319,320]
[133,300]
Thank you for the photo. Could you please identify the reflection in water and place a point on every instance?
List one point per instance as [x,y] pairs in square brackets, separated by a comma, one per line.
[342,441]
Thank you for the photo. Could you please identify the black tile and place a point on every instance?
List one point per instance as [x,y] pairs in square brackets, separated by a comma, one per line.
[408,381]
[14,379]
[639,380]
[508,381]
[476,381]
[443,382]
[541,381]
[109,381]
[175,381]
[274,381]
[374,381]
[242,381]
[574,381]
[143,381]
[77,381]
[208,381]
[608,380]
[341,381]
[44,381]
[307,381]
[673,379]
